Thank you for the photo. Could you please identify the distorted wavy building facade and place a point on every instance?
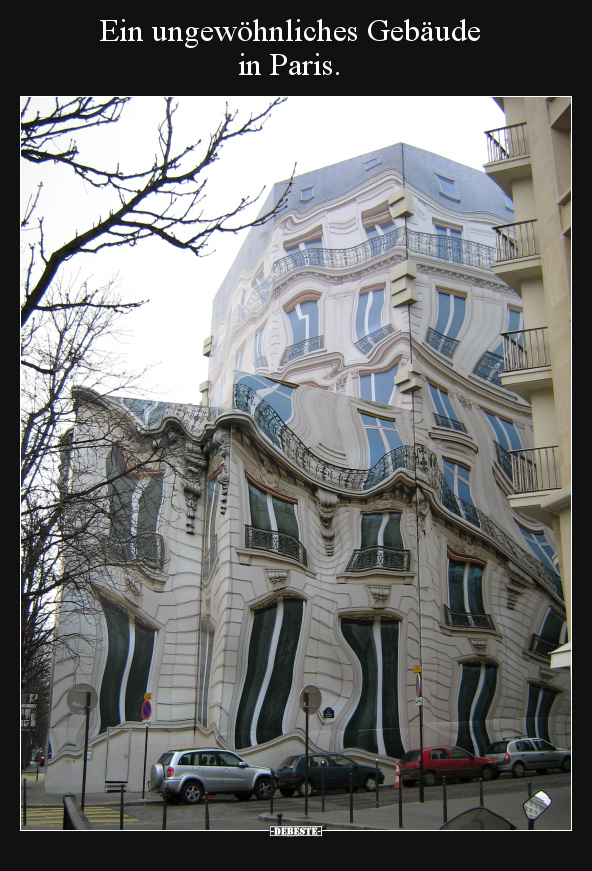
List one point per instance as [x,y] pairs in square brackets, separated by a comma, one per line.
[336,511]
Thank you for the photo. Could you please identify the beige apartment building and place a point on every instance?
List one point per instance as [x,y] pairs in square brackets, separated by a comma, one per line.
[530,159]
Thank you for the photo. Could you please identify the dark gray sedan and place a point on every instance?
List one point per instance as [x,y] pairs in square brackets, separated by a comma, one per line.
[333,767]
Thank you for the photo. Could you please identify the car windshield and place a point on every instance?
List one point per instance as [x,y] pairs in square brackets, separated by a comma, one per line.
[498,747]
[411,756]
[165,758]
[289,761]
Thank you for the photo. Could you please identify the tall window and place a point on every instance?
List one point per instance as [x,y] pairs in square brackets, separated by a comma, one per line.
[506,439]
[277,395]
[383,437]
[465,594]
[206,645]
[379,386]
[445,414]
[210,539]
[304,320]
[477,689]
[374,725]
[448,243]
[271,660]
[515,324]
[451,315]
[540,702]
[258,355]
[554,628]
[238,363]
[369,313]
[130,645]
[456,492]
[541,548]
[272,513]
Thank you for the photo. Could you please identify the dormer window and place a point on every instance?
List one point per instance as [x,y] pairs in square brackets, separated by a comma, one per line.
[370,164]
[306,194]
[448,187]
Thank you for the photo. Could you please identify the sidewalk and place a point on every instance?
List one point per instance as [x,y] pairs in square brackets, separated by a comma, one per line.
[430,816]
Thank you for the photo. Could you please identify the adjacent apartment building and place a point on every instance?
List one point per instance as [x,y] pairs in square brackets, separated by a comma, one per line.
[340,510]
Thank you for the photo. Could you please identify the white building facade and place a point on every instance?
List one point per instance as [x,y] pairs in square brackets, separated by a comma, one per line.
[336,512]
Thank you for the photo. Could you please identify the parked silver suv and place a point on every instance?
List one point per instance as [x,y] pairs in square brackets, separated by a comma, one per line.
[188,774]
[519,754]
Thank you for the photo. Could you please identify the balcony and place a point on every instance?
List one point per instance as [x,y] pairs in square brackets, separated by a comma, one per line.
[389,558]
[464,620]
[261,363]
[441,343]
[527,364]
[275,542]
[147,548]
[450,423]
[535,470]
[490,367]
[508,157]
[368,342]
[542,647]
[517,253]
[307,346]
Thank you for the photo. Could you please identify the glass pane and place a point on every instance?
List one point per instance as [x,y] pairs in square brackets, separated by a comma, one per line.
[384,385]
[361,315]
[392,532]
[371,524]
[285,517]
[259,512]
[375,313]
[458,316]
[298,326]
[443,312]
[456,571]
[474,589]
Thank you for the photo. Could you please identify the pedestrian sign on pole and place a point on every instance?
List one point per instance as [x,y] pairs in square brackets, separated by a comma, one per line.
[146,709]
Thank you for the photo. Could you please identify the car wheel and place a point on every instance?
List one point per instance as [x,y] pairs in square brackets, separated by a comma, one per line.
[429,778]
[370,783]
[287,793]
[566,764]
[192,792]
[243,796]
[263,788]
[302,786]
[487,773]
[518,769]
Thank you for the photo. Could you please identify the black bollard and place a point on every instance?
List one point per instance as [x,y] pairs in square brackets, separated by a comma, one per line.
[322,787]
[480,792]
[164,806]
[351,796]
[271,792]
[207,811]
[37,775]
[530,822]
[121,808]
[279,816]
[445,806]
[377,783]
[400,803]
[25,801]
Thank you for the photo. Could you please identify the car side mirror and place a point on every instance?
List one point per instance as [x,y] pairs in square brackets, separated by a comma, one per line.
[242,765]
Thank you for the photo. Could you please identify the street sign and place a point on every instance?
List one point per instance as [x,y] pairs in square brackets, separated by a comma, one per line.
[419,701]
[314,699]
[147,695]
[77,697]
[417,669]
[329,714]
[146,709]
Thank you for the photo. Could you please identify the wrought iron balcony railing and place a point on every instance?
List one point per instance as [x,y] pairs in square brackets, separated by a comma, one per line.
[360,480]
[525,349]
[275,542]
[541,646]
[444,344]
[450,423]
[504,459]
[210,558]
[515,240]
[506,142]
[431,244]
[307,346]
[260,362]
[535,469]
[368,342]
[145,548]
[390,558]
[467,621]
[489,368]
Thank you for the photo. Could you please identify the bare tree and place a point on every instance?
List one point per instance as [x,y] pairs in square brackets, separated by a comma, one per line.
[164,200]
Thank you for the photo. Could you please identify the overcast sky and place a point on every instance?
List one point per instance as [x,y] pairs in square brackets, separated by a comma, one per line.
[311,132]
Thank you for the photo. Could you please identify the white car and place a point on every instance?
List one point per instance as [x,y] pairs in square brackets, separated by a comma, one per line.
[188,774]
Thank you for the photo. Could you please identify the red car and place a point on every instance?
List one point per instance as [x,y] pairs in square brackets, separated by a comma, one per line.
[450,761]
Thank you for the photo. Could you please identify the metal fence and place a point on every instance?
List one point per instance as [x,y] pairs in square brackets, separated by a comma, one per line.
[275,542]
[535,469]
[515,240]
[525,349]
[506,142]
[391,558]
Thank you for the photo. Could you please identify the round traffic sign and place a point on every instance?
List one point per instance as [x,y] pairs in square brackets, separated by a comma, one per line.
[78,696]
[146,709]
[314,699]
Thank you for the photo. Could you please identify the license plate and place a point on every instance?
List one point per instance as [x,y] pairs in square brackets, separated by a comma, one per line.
[282,782]
[495,758]
[405,775]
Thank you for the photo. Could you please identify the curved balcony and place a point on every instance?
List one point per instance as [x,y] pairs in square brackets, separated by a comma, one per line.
[489,367]
[431,244]
[275,542]
[147,548]
[504,459]
[542,647]
[535,470]
[360,480]
[450,423]
[390,558]
[368,342]
[441,343]
[464,620]
[300,349]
